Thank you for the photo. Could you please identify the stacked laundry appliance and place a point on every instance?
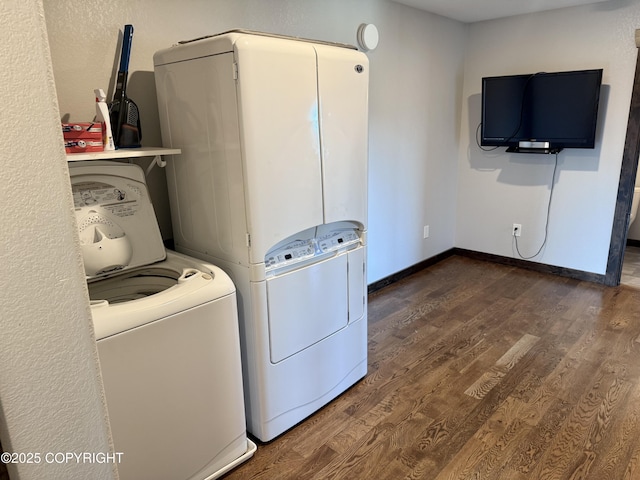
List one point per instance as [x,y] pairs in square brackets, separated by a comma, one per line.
[272,187]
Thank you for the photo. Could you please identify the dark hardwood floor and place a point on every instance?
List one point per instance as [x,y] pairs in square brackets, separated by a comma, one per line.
[480,371]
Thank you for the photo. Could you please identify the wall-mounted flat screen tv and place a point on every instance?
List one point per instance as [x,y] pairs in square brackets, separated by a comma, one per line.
[541,111]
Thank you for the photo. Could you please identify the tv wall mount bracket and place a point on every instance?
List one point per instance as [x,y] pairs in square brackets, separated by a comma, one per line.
[534,147]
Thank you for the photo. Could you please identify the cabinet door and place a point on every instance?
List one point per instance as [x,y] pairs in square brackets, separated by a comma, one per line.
[198,114]
[277,92]
[343,79]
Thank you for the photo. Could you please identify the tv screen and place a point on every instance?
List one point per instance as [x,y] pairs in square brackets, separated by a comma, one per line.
[551,111]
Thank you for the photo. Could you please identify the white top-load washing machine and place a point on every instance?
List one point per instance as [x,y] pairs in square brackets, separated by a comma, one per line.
[271,186]
[166,326]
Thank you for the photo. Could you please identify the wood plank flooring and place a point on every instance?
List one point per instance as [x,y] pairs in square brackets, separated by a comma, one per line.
[480,371]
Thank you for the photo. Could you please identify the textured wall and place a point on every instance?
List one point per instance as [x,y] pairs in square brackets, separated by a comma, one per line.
[414,97]
[50,391]
[424,108]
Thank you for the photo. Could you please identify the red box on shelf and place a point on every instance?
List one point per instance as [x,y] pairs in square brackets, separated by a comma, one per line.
[82,137]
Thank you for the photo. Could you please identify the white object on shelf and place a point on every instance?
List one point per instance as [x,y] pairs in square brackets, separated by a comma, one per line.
[102,115]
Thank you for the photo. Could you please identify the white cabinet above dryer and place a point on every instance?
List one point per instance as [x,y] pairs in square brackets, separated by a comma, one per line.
[272,186]
[278,127]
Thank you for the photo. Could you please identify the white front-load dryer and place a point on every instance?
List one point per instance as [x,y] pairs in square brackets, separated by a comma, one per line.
[166,327]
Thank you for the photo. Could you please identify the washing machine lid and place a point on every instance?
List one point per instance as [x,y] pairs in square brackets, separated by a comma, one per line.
[147,294]
[116,221]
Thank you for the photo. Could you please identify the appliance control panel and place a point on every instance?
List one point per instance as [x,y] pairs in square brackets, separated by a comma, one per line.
[337,239]
[294,252]
[309,249]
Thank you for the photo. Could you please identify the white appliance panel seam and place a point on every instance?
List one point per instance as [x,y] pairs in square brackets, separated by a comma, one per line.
[320,137]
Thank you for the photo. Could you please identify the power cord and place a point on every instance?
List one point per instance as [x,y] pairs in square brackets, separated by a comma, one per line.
[546,226]
[478,141]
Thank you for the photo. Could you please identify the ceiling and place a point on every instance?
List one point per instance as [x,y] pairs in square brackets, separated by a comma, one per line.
[469,11]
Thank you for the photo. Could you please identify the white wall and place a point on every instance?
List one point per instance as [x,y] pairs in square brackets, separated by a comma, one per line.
[496,189]
[634,228]
[415,86]
[50,390]
[415,100]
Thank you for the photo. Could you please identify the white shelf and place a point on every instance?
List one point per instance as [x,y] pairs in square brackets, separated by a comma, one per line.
[123,153]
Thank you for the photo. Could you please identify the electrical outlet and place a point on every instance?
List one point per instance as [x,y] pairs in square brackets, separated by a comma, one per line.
[516,230]
[425,231]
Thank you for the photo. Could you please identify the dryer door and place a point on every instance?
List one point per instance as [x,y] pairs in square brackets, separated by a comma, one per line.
[306,305]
